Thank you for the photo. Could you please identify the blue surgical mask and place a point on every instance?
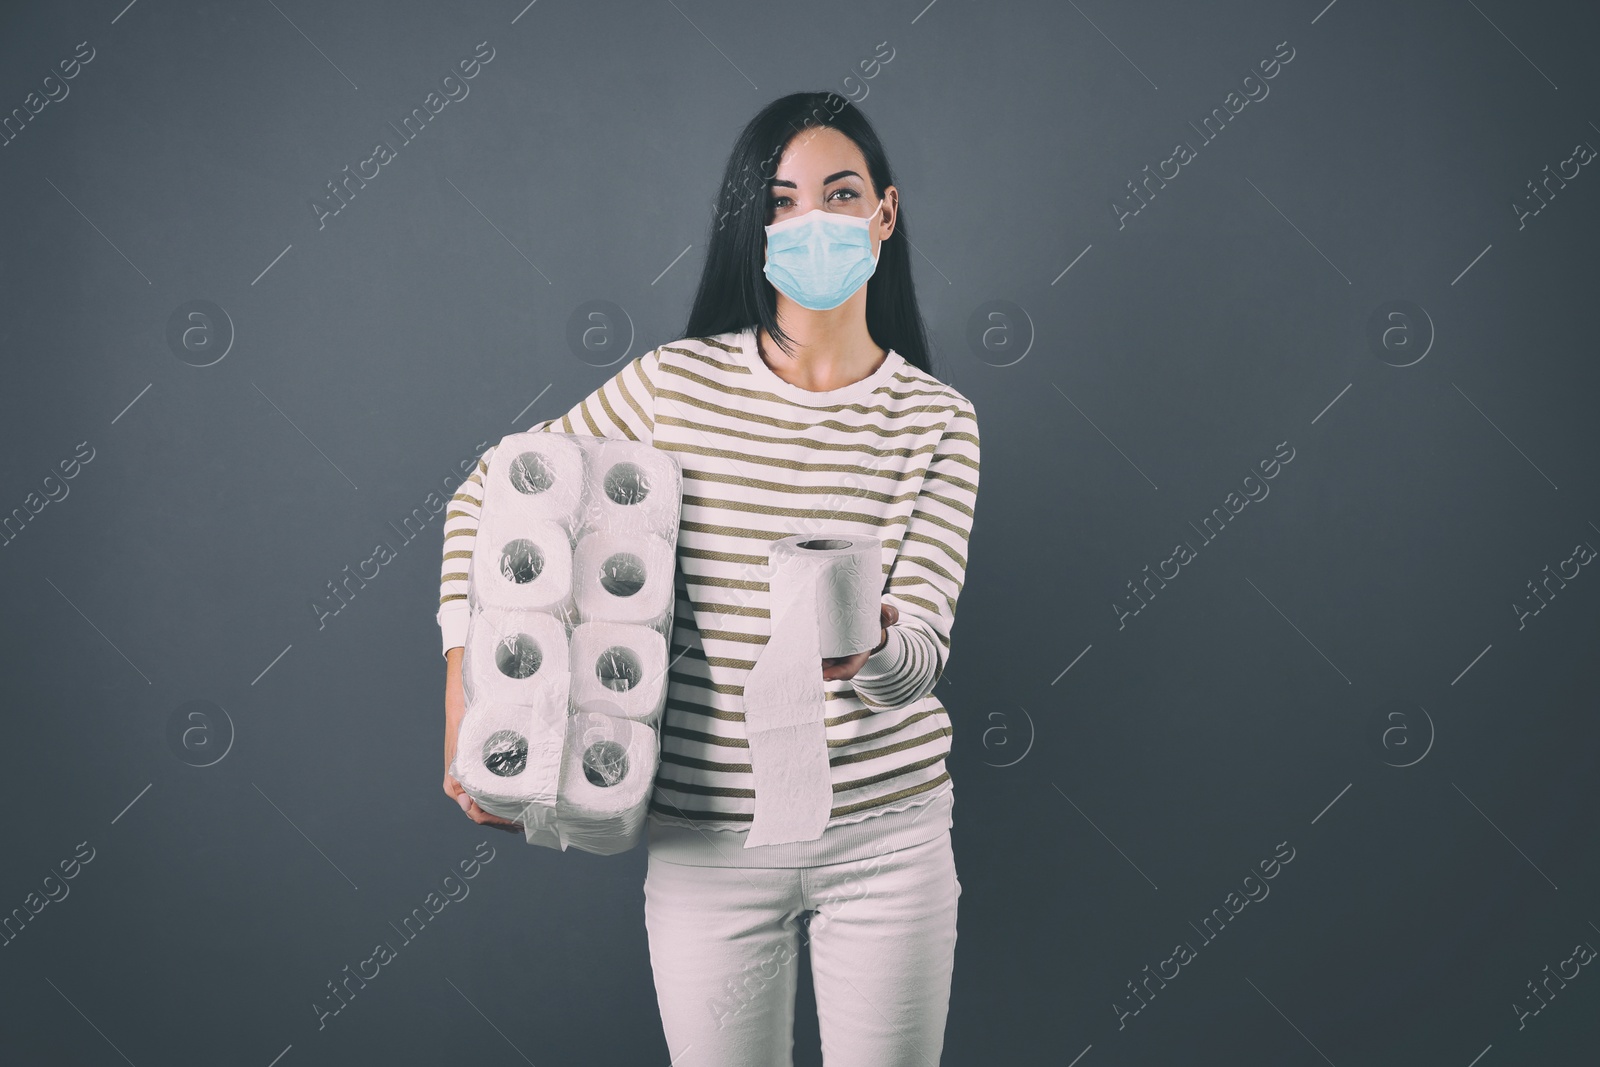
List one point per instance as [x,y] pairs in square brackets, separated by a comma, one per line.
[821,258]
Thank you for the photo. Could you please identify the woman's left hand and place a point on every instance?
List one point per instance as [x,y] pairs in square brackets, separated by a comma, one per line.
[847,666]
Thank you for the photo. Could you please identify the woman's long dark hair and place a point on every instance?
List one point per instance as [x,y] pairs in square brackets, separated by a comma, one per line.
[734,293]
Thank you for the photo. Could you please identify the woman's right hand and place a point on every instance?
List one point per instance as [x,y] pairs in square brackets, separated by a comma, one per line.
[455,709]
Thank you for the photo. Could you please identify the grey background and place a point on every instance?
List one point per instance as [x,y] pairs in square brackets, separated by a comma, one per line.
[1101,809]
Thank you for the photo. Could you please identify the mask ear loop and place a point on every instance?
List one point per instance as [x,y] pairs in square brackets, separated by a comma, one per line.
[873,219]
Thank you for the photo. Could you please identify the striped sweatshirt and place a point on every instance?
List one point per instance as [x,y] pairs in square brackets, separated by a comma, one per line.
[893,456]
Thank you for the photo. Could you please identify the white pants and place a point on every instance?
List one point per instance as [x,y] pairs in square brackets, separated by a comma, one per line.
[724,947]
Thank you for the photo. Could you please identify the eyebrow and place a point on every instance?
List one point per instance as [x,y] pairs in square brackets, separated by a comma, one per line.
[826,181]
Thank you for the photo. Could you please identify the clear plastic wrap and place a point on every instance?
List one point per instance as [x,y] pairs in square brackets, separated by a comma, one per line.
[570,597]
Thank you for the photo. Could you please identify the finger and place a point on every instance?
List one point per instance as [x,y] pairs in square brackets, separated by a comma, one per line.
[483,818]
[844,667]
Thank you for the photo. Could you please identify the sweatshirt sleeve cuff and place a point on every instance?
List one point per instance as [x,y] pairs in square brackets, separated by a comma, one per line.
[453,625]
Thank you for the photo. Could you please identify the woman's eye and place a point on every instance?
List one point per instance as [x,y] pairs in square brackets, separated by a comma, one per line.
[849,194]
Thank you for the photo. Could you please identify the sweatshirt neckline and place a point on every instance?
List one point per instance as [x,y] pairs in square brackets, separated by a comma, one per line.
[746,343]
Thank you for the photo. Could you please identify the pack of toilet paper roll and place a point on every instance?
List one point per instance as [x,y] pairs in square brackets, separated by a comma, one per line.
[570,596]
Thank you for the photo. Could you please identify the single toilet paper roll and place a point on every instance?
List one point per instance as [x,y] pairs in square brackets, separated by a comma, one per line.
[514,656]
[619,668]
[508,756]
[519,562]
[619,577]
[606,778]
[632,487]
[825,597]
[536,476]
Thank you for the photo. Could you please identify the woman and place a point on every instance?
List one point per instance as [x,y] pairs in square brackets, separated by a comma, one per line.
[799,401]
